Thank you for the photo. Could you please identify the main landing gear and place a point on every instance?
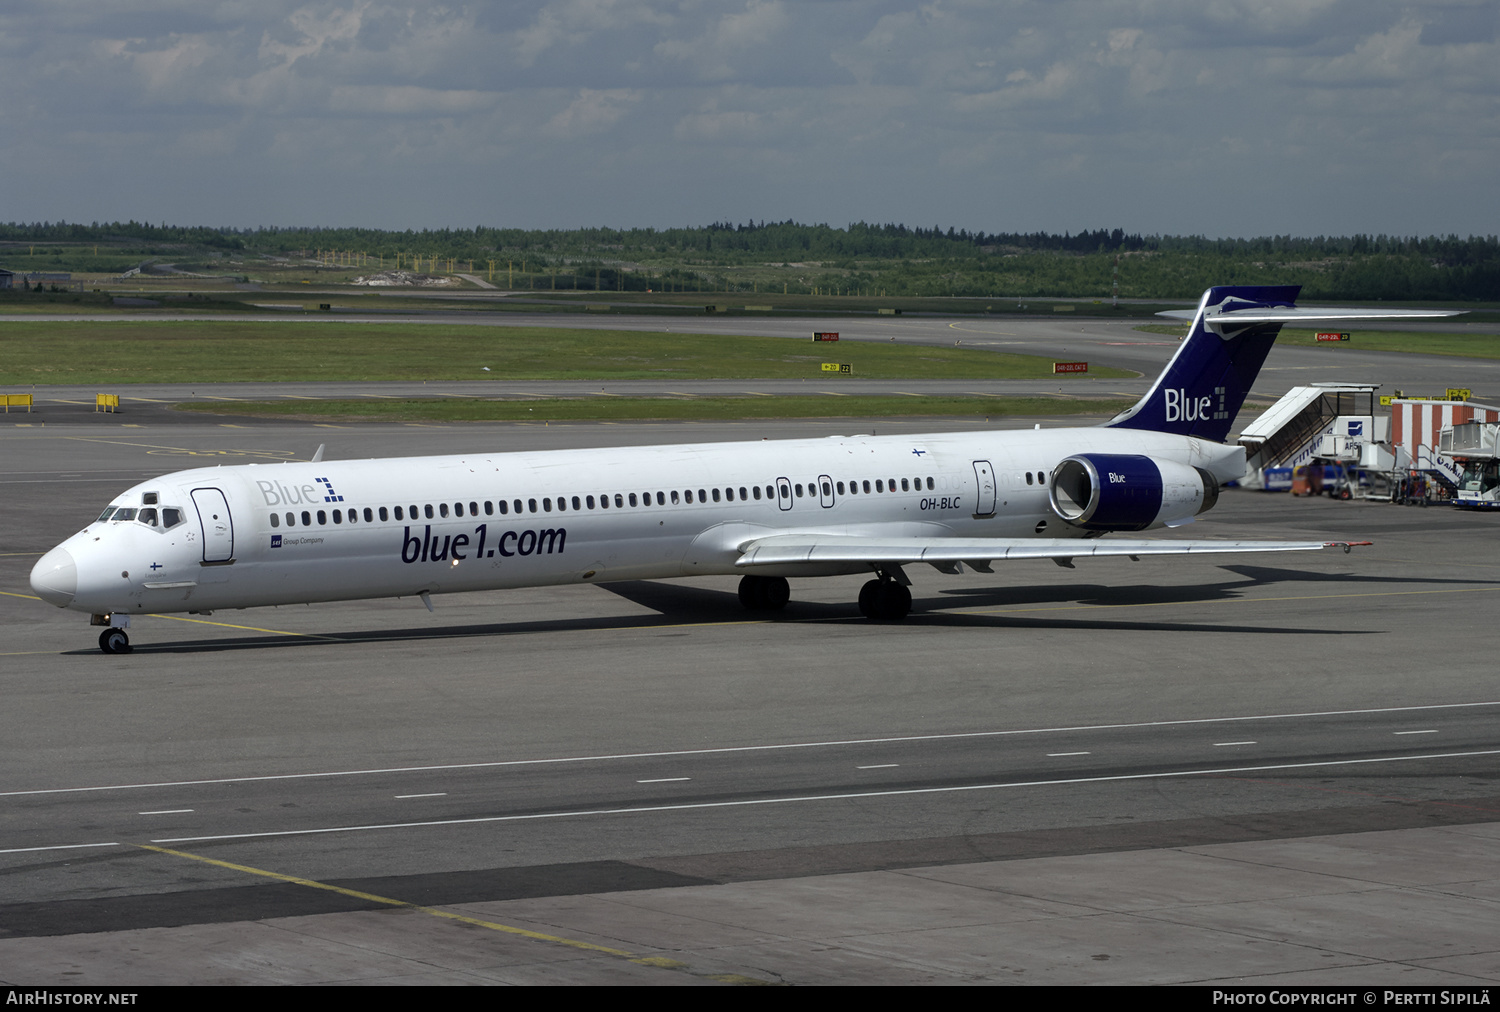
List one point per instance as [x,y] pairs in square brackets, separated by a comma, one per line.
[884,600]
[764,593]
[114,641]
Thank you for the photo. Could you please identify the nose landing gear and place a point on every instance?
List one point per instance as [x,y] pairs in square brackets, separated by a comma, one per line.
[114,641]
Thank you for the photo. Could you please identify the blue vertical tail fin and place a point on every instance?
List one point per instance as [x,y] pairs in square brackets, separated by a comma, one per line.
[1202,389]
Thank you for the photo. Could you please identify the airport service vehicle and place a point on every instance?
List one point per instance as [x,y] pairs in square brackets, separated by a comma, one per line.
[244,536]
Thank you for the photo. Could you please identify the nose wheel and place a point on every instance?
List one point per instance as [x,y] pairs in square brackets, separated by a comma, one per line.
[114,641]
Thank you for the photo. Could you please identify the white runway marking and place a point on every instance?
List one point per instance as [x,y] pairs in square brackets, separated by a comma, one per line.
[847,796]
[744,748]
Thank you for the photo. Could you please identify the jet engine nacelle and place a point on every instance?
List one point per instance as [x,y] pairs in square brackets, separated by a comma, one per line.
[1129,492]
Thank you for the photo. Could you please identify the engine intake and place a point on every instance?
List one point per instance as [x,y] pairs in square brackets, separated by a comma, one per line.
[1129,492]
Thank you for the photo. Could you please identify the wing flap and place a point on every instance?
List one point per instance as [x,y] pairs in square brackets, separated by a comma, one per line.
[790,549]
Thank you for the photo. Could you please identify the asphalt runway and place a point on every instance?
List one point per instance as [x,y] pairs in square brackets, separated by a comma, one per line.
[1267,770]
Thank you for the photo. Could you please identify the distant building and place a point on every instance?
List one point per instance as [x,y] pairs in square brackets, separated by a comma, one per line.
[7,278]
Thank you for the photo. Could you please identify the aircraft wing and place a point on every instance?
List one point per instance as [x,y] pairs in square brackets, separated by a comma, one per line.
[785,549]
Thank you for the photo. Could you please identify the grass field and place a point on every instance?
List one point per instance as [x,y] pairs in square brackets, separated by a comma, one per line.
[1411,342]
[229,351]
[658,408]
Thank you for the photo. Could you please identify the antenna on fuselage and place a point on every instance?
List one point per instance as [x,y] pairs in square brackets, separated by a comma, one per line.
[319,455]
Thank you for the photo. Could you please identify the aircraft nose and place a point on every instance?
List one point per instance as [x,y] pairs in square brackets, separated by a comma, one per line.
[55,578]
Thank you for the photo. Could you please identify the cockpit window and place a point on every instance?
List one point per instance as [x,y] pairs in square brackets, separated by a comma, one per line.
[124,514]
[105,515]
[147,516]
[171,516]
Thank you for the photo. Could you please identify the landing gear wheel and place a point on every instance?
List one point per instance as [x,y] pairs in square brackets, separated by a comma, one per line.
[764,593]
[114,641]
[884,601]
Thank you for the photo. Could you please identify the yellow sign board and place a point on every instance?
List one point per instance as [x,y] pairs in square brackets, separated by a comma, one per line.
[847,368]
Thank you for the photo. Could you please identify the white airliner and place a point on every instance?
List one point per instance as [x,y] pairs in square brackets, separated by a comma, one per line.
[237,537]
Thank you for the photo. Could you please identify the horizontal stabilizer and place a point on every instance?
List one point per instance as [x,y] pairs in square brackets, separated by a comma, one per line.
[1304,314]
[790,549]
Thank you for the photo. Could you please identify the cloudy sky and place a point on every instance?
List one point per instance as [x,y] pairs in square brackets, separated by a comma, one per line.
[1219,117]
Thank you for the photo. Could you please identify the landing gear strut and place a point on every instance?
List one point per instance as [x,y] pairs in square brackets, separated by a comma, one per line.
[764,593]
[114,641]
[884,600]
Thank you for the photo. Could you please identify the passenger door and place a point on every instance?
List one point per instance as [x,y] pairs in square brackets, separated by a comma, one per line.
[218,528]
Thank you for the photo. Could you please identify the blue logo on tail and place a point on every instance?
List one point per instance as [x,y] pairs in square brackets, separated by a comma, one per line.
[1205,384]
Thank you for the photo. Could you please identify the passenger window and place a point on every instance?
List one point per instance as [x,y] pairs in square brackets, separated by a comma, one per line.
[755,489]
[632,499]
[547,505]
[427,509]
[687,495]
[867,486]
[661,499]
[879,486]
[799,490]
[674,497]
[291,520]
[398,514]
[590,501]
[531,504]
[504,507]
[575,503]
[562,504]
[489,508]
[442,509]
[322,518]
[518,505]
[770,491]
[703,495]
[840,487]
[929,484]
[474,509]
[827,489]
[370,517]
[620,500]
[716,495]
[306,519]
[384,517]
[904,486]
[338,516]
[744,496]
